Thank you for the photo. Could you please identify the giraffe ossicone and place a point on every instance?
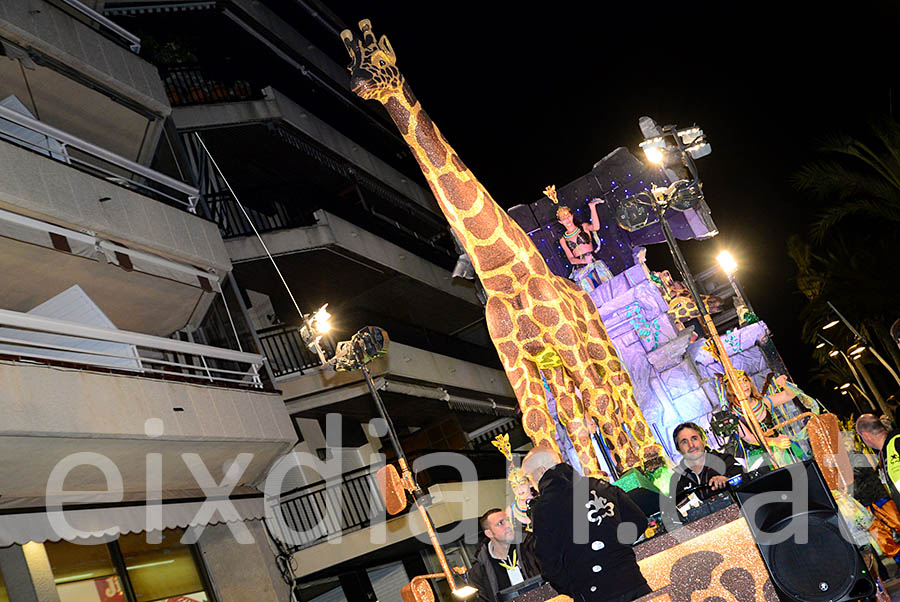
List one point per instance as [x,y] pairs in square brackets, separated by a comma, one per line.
[532,315]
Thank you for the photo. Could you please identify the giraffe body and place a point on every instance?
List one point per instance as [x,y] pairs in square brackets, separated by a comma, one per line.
[534,317]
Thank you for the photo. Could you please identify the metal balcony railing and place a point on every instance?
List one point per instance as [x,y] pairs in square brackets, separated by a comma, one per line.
[286,352]
[61,146]
[188,85]
[52,341]
[228,216]
[106,27]
[313,513]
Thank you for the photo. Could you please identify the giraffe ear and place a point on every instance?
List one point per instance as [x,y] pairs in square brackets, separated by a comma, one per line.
[386,47]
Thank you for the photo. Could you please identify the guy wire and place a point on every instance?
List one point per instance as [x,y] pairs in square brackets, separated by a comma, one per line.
[250,221]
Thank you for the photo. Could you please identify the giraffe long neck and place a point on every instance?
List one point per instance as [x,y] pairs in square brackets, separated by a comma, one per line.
[493,240]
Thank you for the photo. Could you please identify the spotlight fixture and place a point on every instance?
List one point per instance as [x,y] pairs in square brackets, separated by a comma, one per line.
[654,149]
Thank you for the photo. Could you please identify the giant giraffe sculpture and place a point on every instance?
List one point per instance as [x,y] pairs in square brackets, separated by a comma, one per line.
[537,320]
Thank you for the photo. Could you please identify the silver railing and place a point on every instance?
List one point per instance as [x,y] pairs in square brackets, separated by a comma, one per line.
[59,145]
[132,41]
[54,341]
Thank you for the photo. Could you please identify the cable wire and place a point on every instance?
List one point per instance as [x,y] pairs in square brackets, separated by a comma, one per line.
[252,225]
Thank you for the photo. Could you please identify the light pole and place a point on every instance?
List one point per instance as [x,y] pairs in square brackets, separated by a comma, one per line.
[366,345]
[729,265]
[682,195]
[861,341]
[835,351]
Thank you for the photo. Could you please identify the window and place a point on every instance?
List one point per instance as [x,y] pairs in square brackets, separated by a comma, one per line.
[164,572]
[84,573]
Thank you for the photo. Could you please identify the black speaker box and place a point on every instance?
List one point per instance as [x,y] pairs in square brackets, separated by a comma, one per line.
[802,538]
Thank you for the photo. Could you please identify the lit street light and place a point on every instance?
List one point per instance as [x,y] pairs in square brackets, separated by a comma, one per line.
[860,340]
[859,385]
[729,265]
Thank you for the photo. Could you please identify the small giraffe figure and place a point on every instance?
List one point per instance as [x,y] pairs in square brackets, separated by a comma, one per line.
[537,320]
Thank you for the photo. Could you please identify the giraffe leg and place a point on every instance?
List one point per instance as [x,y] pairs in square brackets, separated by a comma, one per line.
[539,425]
[605,386]
[571,414]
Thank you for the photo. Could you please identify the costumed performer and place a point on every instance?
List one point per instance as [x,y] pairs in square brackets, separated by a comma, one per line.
[578,245]
[518,482]
[763,407]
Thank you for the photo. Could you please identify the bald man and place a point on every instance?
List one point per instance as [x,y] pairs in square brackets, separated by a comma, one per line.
[600,566]
[887,443]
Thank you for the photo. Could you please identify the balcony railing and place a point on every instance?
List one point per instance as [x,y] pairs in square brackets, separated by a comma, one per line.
[192,85]
[313,513]
[106,27]
[64,147]
[277,216]
[52,341]
[286,352]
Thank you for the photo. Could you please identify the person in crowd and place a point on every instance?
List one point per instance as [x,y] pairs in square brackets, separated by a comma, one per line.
[584,529]
[887,444]
[701,469]
[499,562]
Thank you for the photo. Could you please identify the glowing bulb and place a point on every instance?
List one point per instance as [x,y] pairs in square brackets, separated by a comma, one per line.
[466,591]
[727,261]
[845,386]
[321,319]
[829,325]
[654,155]
[820,345]
[834,353]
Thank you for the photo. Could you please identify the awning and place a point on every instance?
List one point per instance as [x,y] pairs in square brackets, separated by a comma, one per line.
[37,232]
[104,522]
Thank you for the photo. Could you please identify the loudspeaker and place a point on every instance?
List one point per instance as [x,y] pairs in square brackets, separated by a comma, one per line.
[802,538]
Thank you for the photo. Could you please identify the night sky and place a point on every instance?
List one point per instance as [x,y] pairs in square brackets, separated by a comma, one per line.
[534,97]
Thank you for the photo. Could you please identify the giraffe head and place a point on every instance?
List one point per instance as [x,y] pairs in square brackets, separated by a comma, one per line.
[373,69]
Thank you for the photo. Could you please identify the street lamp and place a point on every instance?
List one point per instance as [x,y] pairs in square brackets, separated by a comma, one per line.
[860,341]
[859,385]
[729,265]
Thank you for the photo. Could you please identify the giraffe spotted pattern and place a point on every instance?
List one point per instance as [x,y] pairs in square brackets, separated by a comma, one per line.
[529,310]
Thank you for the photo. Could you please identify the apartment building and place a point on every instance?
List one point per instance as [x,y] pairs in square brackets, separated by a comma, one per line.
[138,423]
[288,163]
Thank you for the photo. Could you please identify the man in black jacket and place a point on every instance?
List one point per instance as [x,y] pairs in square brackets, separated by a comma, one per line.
[701,469]
[584,529]
[499,562]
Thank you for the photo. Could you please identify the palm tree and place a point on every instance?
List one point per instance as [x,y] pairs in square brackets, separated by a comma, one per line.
[856,178]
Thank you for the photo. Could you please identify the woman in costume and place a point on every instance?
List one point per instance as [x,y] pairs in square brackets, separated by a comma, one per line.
[763,408]
[578,245]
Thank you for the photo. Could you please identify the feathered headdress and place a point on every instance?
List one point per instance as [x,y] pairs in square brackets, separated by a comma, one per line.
[516,476]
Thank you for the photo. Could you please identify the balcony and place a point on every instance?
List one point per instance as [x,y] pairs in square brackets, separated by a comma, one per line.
[67,387]
[71,34]
[70,211]
[347,514]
